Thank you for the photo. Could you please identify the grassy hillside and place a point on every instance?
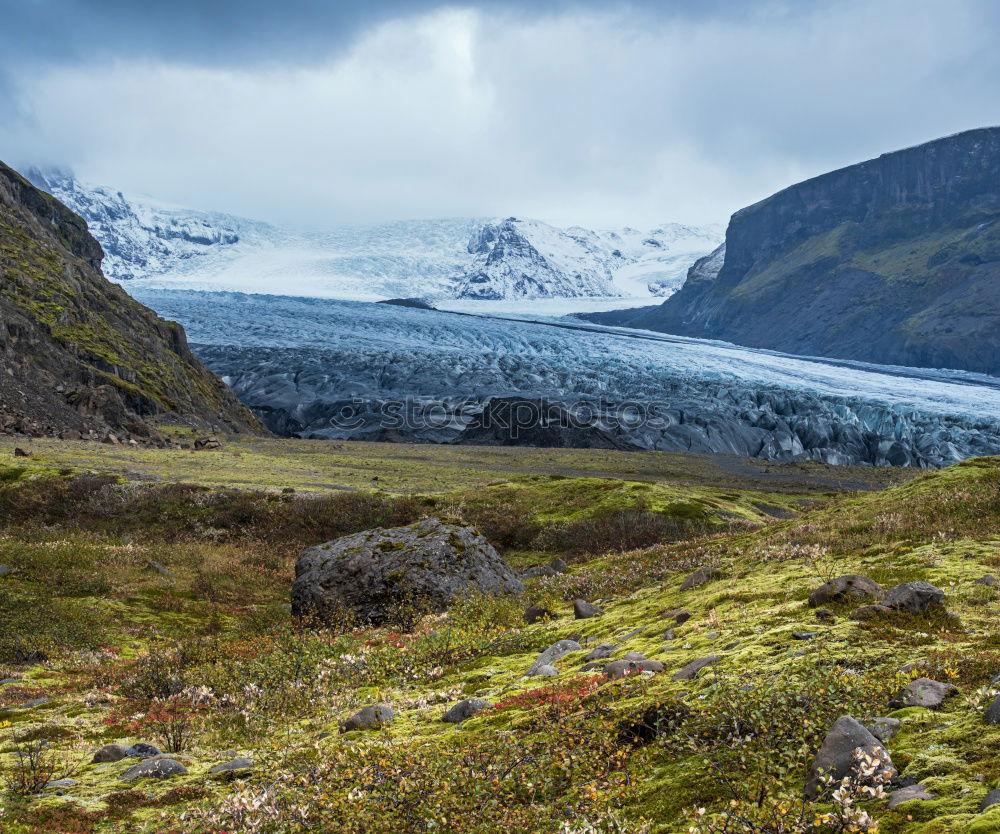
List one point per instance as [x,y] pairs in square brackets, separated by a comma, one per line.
[156,611]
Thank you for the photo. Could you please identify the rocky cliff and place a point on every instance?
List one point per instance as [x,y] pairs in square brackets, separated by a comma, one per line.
[895,260]
[78,356]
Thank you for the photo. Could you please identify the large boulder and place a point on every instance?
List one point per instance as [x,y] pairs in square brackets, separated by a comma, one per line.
[155,767]
[557,650]
[371,574]
[922,692]
[850,586]
[836,757]
[914,597]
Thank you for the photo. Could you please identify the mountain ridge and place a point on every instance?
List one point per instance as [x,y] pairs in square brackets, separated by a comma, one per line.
[894,260]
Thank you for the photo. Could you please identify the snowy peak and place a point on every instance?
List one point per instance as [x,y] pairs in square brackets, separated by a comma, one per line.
[451,259]
[516,258]
[139,238]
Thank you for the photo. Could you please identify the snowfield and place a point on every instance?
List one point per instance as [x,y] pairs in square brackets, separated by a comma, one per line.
[153,245]
[301,362]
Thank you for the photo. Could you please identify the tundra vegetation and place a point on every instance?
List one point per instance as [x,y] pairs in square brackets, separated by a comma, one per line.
[144,601]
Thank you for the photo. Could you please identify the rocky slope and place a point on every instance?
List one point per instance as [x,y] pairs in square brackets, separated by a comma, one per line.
[895,260]
[468,258]
[78,356]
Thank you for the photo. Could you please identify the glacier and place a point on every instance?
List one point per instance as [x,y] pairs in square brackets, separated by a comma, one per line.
[155,245]
[352,370]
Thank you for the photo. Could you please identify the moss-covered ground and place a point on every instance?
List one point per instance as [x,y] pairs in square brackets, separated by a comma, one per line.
[144,608]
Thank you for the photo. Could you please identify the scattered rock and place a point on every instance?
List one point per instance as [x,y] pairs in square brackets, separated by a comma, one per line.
[993,712]
[805,635]
[824,614]
[552,654]
[371,573]
[836,757]
[691,671]
[110,753]
[369,718]
[208,443]
[922,692]
[884,728]
[539,570]
[141,750]
[991,799]
[35,702]
[584,610]
[5,569]
[850,586]
[465,709]
[668,634]
[620,668]
[601,652]
[989,580]
[534,613]
[21,453]
[869,612]
[906,794]
[61,784]
[558,565]
[157,767]
[680,616]
[914,597]
[702,576]
[232,769]
[163,570]
[546,671]
[634,633]
[633,656]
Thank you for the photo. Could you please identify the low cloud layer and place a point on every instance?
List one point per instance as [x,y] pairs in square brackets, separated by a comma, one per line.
[602,114]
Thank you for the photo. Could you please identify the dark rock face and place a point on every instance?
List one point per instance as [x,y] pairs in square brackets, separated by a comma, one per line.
[895,260]
[836,757]
[370,574]
[77,354]
[850,586]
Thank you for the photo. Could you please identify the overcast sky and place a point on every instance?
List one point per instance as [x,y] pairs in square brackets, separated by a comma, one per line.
[312,112]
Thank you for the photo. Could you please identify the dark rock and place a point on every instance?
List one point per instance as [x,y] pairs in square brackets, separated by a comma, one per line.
[5,569]
[884,728]
[824,614]
[992,713]
[35,702]
[991,799]
[633,656]
[557,650]
[141,750]
[592,667]
[232,769]
[584,610]
[691,671]
[869,612]
[914,597]
[539,570]
[601,652]
[850,586]
[156,767]
[669,634]
[465,709]
[989,580]
[546,670]
[805,635]
[110,753]
[634,633]
[208,443]
[369,718]
[922,692]
[413,303]
[620,668]
[534,613]
[21,453]
[700,577]
[372,573]
[908,793]
[558,565]
[836,757]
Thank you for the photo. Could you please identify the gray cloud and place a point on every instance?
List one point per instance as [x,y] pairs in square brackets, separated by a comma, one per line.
[316,112]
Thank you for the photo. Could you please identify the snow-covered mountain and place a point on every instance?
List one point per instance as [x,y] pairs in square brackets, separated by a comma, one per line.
[159,245]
